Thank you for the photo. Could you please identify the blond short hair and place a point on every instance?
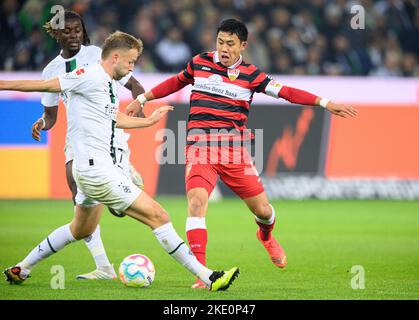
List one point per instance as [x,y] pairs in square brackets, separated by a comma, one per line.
[121,40]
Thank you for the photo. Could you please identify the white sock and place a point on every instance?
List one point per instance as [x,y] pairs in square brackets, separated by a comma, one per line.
[176,247]
[267,221]
[57,240]
[195,223]
[95,245]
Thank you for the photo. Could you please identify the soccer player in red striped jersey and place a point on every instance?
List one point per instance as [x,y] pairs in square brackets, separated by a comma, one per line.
[223,88]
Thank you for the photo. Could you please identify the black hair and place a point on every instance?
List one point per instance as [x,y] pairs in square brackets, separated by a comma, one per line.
[68,14]
[234,26]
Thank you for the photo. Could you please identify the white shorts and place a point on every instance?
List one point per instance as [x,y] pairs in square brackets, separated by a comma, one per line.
[122,162]
[107,185]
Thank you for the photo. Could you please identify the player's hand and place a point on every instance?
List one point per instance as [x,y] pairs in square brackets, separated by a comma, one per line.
[341,110]
[36,129]
[139,113]
[160,113]
[134,110]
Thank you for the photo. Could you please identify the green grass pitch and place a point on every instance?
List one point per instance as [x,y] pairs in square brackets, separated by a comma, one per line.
[323,241]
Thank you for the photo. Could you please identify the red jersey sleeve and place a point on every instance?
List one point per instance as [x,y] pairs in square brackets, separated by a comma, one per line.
[258,80]
[175,83]
[293,95]
[187,75]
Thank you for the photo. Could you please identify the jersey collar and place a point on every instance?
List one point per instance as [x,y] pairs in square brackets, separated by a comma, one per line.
[216,59]
[82,47]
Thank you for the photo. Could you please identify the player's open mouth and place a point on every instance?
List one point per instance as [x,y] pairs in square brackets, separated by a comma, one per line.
[224,56]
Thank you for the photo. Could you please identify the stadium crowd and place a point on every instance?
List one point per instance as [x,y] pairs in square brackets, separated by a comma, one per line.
[307,37]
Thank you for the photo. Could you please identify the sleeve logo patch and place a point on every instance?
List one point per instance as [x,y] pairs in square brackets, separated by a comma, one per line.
[273,83]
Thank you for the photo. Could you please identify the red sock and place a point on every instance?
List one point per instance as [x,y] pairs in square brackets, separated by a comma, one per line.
[197,239]
[266,230]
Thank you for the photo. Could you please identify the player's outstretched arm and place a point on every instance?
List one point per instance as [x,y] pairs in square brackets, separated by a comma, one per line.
[46,122]
[124,121]
[50,85]
[162,90]
[340,110]
[299,96]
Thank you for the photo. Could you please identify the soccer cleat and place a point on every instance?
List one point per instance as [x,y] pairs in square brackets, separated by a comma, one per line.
[274,249]
[13,275]
[199,284]
[221,280]
[117,213]
[97,275]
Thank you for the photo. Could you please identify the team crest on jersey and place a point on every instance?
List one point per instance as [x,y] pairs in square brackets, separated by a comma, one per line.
[80,71]
[233,74]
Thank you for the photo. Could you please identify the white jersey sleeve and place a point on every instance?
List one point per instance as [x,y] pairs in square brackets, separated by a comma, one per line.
[49,99]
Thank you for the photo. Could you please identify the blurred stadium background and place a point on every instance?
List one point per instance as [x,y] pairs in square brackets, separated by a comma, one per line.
[307,44]
[306,153]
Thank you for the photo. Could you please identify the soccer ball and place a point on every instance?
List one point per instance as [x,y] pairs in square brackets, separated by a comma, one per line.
[137,270]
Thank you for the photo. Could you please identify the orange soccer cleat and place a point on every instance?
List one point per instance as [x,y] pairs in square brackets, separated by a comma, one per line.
[274,249]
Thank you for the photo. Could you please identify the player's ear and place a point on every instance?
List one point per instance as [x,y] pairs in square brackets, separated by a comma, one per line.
[115,56]
[243,45]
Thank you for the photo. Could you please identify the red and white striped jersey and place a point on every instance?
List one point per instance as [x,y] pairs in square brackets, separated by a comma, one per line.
[221,96]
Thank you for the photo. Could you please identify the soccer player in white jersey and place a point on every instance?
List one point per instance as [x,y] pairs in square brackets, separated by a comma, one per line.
[77,52]
[93,111]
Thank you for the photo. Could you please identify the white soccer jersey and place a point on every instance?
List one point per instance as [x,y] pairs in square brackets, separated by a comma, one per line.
[87,56]
[91,113]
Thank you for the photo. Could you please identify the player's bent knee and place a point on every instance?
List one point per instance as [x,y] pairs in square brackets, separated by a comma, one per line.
[197,207]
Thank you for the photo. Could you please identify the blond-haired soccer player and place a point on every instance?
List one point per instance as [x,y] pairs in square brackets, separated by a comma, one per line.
[93,111]
[77,52]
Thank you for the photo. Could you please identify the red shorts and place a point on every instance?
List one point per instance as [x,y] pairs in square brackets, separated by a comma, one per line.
[233,164]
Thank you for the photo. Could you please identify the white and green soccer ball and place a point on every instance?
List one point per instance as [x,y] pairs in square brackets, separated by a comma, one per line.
[137,270]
